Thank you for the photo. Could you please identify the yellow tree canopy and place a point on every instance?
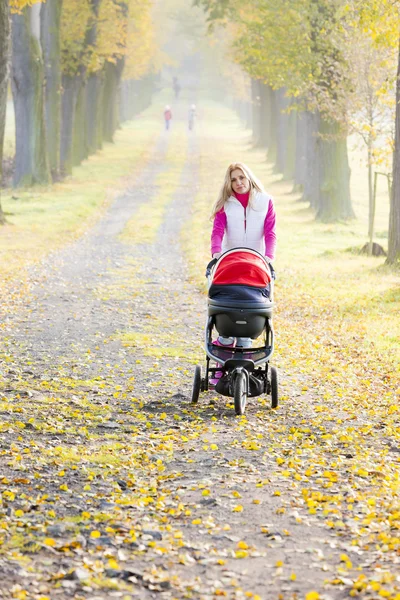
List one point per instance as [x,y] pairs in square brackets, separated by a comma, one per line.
[75,21]
[124,30]
[377,18]
[143,54]
[110,43]
[16,6]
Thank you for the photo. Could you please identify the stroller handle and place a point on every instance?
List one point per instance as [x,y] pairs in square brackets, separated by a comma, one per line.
[214,261]
[273,272]
[210,266]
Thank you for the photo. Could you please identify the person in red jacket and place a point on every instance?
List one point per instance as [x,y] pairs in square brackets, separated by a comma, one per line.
[167,116]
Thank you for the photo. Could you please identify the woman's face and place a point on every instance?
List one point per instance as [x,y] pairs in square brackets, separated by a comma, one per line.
[239,182]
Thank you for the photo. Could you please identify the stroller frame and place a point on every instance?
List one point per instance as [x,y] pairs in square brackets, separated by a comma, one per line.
[246,372]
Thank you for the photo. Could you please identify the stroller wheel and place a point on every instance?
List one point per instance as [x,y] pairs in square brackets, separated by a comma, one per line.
[240,393]
[196,384]
[274,387]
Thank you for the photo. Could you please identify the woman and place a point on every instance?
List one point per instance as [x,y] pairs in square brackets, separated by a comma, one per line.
[244,216]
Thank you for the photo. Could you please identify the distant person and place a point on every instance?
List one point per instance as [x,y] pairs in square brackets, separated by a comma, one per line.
[192,116]
[167,116]
[176,86]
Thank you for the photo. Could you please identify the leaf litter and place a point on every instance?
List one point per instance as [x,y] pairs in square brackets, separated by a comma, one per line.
[114,486]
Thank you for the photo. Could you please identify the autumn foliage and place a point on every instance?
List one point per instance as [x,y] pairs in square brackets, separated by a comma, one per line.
[92,43]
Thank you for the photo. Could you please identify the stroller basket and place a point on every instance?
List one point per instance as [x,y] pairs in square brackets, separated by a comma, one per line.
[257,355]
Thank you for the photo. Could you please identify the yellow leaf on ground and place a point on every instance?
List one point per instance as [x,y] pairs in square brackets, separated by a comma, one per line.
[312,595]
[95,534]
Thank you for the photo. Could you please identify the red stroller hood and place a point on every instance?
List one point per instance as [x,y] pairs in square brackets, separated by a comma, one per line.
[242,267]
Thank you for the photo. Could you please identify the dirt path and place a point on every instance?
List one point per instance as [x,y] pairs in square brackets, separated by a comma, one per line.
[112,485]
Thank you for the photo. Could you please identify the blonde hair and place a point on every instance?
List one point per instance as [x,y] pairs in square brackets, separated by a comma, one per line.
[226,190]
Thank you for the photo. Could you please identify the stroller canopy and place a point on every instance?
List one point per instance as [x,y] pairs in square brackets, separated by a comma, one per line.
[242,266]
[239,297]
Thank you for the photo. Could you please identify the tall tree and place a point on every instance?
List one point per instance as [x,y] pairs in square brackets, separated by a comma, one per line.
[4,57]
[50,18]
[142,58]
[5,6]
[107,38]
[75,23]
[373,110]
[394,216]
[94,83]
[111,46]
[379,19]
[27,83]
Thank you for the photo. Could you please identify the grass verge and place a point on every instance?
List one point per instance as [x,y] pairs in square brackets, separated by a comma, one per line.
[42,219]
[333,299]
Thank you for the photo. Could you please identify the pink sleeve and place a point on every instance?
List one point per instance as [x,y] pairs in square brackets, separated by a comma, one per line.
[269,231]
[218,231]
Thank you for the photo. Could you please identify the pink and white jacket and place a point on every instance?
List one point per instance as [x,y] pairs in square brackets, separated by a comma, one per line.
[250,227]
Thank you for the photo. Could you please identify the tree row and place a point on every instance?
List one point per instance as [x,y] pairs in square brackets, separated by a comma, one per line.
[77,68]
[321,70]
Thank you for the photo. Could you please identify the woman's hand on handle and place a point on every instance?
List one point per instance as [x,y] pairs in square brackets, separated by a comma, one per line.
[271,266]
[210,265]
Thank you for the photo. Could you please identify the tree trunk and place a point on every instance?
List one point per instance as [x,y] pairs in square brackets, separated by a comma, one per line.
[312,157]
[282,130]
[249,116]
[371,198]
[394,215]
[4,58]
[50,16]
[92,111]
[128,100]
[273,130]
[123,101]
[100,112]
[240,106]
[134,98]
[300,166]
[73,147]
[113,73]
[79,147]
[255,101]
[31,158]
[265,115]
[71,87]
[93,86]
[148,90]
[131,99]
[291,146]
[334,193]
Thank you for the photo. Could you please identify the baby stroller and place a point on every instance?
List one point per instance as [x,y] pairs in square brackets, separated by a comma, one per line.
[240,305]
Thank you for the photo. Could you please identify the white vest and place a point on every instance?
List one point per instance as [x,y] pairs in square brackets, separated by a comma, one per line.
[245,228]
